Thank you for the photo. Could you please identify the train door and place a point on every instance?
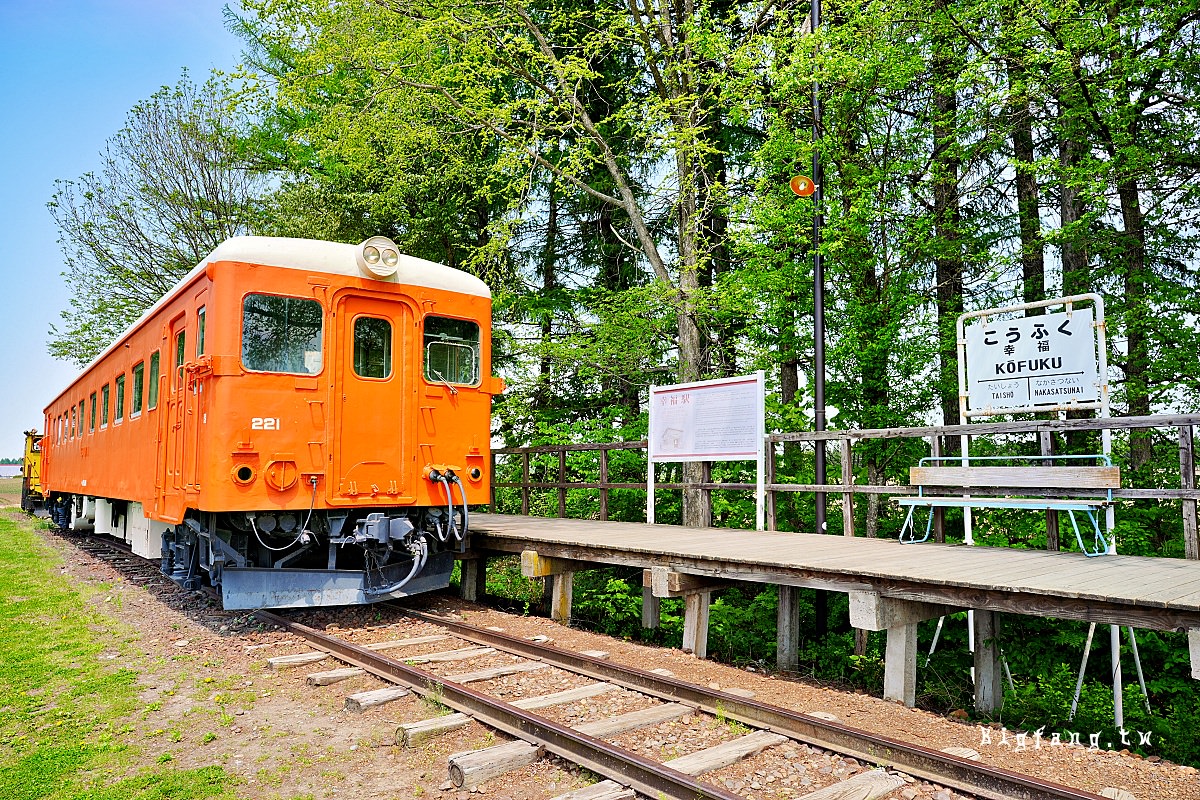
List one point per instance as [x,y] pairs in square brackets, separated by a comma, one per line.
[373,384]
[195,378]
[173,407]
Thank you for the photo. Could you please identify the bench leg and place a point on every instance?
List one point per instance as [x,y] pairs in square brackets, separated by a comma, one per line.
[908,528]
[1100,543]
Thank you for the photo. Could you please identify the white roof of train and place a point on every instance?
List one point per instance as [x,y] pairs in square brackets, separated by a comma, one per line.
[338,259]
[313,255]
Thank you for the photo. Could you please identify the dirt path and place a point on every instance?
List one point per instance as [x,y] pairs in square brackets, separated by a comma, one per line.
[210,699]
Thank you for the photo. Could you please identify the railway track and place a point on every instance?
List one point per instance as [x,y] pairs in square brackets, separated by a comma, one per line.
[626,771]
[769,726]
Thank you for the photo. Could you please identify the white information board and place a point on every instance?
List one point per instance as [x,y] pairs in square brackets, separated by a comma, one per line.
[716,420]
[1029,362]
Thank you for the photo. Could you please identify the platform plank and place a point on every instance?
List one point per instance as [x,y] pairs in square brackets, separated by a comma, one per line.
[1148,592]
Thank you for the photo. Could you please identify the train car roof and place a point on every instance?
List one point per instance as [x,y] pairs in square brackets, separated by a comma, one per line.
[338,259]
[311,255]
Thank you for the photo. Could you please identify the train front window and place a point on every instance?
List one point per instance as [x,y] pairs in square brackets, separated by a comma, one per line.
[451,351]
[372,347]
[282,334]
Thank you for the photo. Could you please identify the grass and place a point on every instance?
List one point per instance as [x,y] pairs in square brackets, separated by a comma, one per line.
[10,491]
[64,711]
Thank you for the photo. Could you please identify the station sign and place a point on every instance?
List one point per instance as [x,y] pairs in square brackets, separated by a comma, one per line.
[1030,362]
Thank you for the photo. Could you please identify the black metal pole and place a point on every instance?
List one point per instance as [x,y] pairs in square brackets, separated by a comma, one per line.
[818,283]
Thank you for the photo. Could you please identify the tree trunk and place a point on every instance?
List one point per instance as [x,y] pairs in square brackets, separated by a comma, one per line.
[1020,117]
[876,476]
[542,395]
[1074,252]
[1137,323]
[947,215]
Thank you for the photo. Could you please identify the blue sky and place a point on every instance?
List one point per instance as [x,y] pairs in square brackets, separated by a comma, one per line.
[70,70]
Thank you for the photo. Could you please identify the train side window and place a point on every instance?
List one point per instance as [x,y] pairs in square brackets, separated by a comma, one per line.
[119,388]
[180,348]
[282,334]
[92,418]
[451,351]
[139,378]
[72,429]
[152,392]
[372,347]
[200,332]
[105,394]
[79,427]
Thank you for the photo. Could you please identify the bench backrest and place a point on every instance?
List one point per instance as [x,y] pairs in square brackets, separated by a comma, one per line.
[1065,477]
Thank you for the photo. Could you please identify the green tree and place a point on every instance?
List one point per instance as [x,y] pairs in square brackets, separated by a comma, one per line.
[170,188]
[529,78]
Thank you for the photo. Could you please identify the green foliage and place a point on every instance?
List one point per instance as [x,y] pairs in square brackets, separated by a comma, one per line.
[504,580]
[172,186]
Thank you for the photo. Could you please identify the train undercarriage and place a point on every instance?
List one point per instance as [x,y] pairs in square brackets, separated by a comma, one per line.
[287,559]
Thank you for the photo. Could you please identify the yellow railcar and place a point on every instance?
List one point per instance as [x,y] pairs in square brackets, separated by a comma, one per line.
[31,473]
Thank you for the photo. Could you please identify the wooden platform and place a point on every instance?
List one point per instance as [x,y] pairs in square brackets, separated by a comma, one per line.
[1154,593]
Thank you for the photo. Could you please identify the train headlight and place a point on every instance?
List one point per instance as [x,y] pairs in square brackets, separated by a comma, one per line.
[378,257]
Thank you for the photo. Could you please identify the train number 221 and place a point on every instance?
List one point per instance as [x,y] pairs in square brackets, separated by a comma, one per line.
[265,424]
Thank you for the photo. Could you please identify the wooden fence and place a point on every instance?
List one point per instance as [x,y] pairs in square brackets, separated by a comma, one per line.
[936,438]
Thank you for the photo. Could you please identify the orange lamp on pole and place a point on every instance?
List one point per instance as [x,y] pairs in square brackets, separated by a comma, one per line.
[802,185]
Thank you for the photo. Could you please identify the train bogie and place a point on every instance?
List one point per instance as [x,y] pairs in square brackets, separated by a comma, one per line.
[303,423]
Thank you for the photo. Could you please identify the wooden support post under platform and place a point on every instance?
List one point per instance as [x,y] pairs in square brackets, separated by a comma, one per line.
[1194,650]
[562,591]
[472,580]
[874,612]
[560,585]
[989,683]
[695,623]
[787,629]
[900,665]
[696,591]
[651,608]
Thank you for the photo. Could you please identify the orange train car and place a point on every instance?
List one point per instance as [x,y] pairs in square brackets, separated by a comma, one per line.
[299,423]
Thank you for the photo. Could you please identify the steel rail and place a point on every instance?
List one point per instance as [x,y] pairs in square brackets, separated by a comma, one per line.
[645,775]
[958,773]
[642,774]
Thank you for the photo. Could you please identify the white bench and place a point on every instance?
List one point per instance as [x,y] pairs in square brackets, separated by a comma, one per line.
[1023,481]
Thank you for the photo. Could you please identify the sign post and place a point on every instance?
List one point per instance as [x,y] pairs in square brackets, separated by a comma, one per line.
[1051,362]
[716,420]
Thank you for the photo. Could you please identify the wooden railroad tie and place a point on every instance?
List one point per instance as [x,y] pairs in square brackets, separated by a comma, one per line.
[413,734]
[296,660]
[361,701]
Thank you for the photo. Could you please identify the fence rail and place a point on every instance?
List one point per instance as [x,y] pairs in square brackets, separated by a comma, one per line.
[936,437]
